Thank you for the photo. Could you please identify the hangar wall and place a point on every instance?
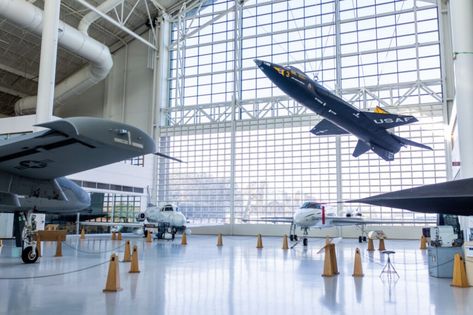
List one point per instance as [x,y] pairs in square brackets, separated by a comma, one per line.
[125,95]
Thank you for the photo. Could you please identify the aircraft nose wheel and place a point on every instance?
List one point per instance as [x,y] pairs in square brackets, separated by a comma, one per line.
[29,256]
[291,238]
[305,241]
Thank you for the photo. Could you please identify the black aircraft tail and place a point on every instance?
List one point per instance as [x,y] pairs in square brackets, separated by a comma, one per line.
[363,147]
[387,120]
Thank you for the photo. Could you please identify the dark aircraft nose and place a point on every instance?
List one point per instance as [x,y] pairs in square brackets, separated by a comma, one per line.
[258,62]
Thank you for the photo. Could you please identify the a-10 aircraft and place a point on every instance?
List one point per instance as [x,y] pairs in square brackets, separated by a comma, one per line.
[313,215]
[32,168]
[166,220]
[340,117]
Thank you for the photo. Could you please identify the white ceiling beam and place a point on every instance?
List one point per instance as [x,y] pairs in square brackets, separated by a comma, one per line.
[12,92]
[19,73]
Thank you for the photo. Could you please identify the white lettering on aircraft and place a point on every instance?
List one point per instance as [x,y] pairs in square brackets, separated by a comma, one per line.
[392,120]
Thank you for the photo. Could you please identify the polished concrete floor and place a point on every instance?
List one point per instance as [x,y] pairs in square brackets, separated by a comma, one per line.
[237,278]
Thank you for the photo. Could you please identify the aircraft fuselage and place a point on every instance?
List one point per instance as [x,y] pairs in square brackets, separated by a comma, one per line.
[333,108]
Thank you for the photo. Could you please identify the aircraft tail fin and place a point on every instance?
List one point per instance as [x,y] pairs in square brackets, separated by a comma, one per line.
[361,148]
[411,143]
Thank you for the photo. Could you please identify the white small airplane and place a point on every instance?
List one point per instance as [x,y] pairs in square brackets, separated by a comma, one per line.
[165,220]
[313,215]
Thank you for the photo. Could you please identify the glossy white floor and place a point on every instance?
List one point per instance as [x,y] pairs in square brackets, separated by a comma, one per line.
[236,279]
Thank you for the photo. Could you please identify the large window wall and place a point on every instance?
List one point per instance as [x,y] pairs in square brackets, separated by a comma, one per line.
[247,145]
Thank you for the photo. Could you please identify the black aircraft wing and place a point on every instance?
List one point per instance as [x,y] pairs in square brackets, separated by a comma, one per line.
[454,197]
[326,128]
[72,145]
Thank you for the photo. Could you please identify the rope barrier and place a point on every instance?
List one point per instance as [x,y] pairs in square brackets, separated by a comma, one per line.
[90,252]
[57,274]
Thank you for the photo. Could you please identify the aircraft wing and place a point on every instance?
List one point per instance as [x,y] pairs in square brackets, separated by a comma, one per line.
[72,145]
[362,221]
[112,224]
[270,220]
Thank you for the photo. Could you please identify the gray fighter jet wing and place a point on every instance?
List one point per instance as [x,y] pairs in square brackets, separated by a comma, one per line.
[72,145]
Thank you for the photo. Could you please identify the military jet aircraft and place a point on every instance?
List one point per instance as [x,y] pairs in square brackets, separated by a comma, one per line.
[165,220]
[32,168]
[454,197]
[340,117]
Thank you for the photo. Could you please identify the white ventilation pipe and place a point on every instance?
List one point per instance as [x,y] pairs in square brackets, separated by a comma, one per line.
[92,16]
[30,17]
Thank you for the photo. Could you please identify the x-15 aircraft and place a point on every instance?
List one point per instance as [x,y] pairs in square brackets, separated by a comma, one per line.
[340,117]
[32,168]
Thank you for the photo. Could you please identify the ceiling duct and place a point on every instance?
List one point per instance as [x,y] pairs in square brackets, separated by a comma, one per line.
[30,17]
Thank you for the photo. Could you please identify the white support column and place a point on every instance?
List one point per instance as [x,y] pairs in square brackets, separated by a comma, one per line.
[47,66]
[462,23]
[160,99]
[338,90]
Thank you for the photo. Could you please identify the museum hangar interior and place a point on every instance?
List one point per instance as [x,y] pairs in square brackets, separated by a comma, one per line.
[241,155]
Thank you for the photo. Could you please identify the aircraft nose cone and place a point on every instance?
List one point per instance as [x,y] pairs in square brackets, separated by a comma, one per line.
[258,62]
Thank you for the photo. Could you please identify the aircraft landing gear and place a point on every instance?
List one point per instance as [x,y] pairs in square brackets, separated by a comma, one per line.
[292,233]
[30,253]
[305,241]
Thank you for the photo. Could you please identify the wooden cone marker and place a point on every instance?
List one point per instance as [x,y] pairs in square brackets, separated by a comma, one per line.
[184,239]
[114,236]
[285,244]
[149,237]
[259,241]
[328,271]
[381,245]
[58,246]
[423,242]
[370,245]
[358,268]
[333,255]
[134,261]
[127,255]
[219,239]
[82,234]
[119,236]
[113,277]
[459,273]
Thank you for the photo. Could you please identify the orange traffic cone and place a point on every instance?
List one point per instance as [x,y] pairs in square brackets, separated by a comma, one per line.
[285,244]
[149,238]
[370,245]
[134,261]
[113,277]
[58,246]
[259,241]
[119,236]
[127,255]
[184,239]
[459,273]
[219,239]
[114,236]
[328,264]
[82,234]
[381,244]
[358,268]
[423,242]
